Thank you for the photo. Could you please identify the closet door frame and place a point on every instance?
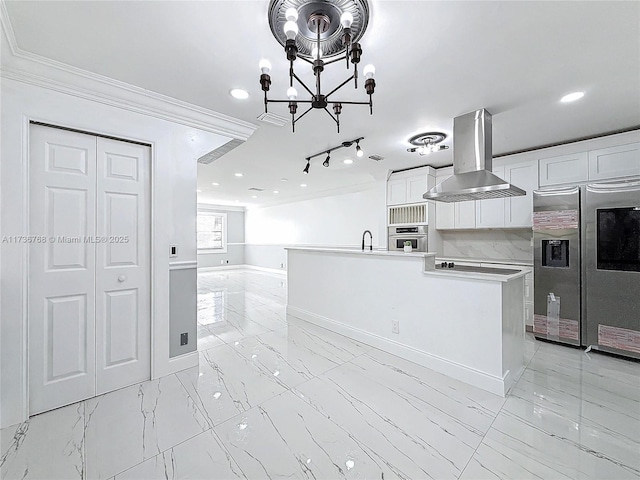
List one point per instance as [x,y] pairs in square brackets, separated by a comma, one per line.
[28,121]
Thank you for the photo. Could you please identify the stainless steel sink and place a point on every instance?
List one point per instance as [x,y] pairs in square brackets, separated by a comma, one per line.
[479,269]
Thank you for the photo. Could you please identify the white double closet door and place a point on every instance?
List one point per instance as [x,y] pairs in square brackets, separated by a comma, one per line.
[89,270]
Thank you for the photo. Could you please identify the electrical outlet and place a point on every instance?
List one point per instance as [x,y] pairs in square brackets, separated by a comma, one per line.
[395,326]
[184,339]
[173,251]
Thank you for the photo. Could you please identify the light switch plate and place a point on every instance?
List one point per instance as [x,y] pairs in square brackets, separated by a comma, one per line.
[173,251]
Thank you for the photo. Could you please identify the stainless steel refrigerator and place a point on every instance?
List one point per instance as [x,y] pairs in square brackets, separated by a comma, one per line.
[587,266]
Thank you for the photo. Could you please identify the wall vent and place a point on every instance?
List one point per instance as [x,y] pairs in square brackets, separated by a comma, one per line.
[213,155]
[273,119]
[375,157]
[408,214]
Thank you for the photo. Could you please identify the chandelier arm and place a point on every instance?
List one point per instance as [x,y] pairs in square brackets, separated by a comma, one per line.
[307,111]
[287,101]
[339,59]
[350,103]
[338,87]
[303,84]
[331,115]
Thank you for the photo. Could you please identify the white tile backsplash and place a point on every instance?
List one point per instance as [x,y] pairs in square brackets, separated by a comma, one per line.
[489,244]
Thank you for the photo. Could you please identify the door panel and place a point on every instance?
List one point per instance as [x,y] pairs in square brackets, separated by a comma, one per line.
[121,327]
[66,221]
[61,290]
[65,337]
[122,265]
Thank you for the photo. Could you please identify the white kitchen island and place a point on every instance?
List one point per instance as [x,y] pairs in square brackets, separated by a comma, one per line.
[469,326]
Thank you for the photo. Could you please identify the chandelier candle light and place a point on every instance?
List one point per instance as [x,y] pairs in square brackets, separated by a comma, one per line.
[314,30]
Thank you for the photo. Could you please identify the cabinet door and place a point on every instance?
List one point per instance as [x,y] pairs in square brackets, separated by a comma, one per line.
[518,210]
[444,216]
[397,191]
[564,169]
[490,213]
[416,186]
[465,214]
[613,162]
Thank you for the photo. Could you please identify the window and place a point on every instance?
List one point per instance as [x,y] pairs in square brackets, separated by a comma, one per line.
[212,231]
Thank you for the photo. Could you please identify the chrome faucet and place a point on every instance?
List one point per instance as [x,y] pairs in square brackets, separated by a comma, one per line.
[370,236]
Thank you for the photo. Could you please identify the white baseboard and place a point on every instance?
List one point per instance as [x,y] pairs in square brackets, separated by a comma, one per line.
[490,383]
[265,269]
[243,267]
[183,362]
[221,267]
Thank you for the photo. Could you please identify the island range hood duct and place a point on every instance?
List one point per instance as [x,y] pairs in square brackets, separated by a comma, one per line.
[472,161]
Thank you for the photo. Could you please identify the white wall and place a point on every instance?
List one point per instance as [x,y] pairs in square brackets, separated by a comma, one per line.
[336,220]
[33,89]
[235,240]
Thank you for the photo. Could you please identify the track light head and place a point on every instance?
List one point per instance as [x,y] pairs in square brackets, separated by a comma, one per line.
[359,152]
[326,161]
[306,169]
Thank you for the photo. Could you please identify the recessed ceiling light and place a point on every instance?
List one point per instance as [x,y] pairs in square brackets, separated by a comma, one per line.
[254,196]
[303,185]
[572,97]
[215,184]
[198,191]
[238,174]
[347,161]
[239,93]
[276,191]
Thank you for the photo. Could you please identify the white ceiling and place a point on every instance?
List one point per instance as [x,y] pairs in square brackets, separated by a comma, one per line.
[435,60]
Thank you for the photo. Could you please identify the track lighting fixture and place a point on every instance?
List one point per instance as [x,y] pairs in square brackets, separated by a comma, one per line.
[327,152]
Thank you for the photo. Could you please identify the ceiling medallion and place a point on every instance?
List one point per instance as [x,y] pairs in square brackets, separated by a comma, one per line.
[426,143]
[314,31]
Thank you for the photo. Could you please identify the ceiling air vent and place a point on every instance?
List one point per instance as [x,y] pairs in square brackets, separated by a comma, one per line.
[375,157]
[213,155]
[273,119]
[254,189]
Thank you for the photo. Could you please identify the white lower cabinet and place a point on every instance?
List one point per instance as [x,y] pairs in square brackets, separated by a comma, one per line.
[528,287]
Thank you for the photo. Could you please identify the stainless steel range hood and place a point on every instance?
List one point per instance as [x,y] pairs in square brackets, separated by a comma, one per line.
[472,162]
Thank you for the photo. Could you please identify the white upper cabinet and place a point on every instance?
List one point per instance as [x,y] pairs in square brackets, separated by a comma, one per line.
[518,210]
[603,164]
[490,213]
[464,214]
[397,191]
[416,187]
[572,168]
[408,187]
[614,162]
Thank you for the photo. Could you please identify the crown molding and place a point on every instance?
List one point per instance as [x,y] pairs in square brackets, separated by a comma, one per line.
[53,75]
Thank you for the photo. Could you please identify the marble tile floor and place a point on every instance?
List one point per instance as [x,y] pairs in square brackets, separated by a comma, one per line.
[274,397]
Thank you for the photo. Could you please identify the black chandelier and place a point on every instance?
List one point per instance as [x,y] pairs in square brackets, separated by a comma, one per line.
[314,30]
[327,152]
